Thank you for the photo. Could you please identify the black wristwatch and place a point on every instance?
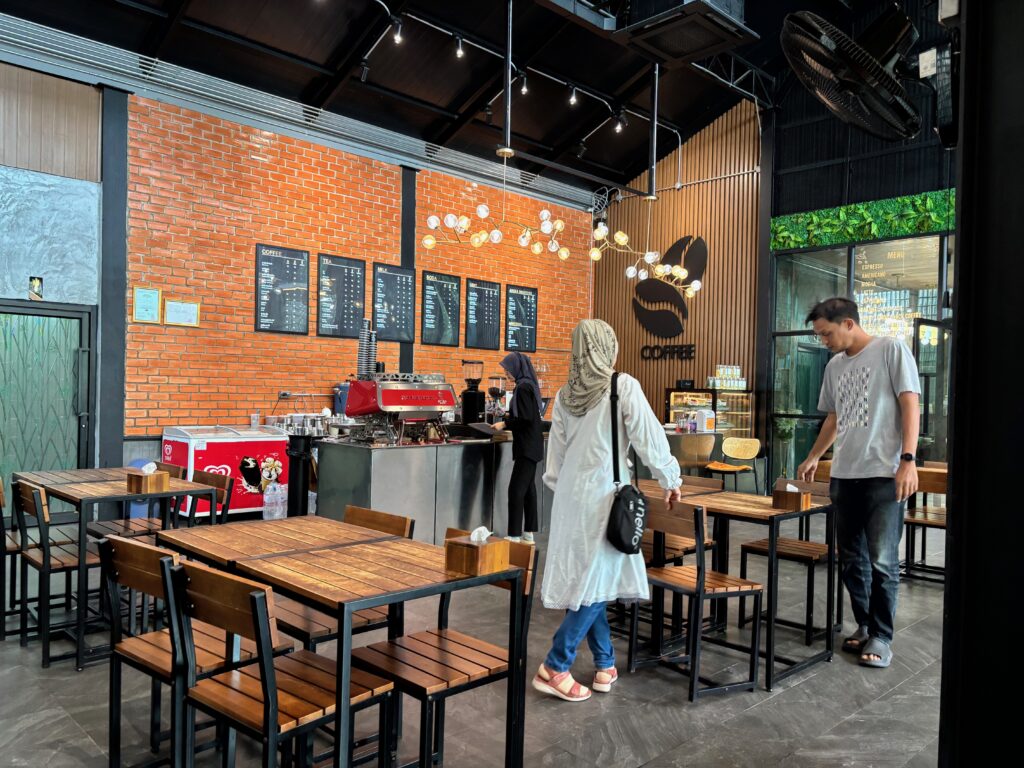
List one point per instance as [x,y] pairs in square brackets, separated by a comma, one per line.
[907,457]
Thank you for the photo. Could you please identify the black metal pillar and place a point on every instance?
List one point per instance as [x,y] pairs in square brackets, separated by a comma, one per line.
[763,309]
[982,626]
[300,454]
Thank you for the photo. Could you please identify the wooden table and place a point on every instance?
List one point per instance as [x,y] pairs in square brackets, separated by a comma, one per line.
[85,489]
[343,580]
[749,508]
[226,545]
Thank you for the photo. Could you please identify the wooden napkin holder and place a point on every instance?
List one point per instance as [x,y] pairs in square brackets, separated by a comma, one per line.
[139,482]
[476,559]
[795,501]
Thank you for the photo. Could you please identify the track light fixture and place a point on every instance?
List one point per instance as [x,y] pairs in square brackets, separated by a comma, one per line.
[364,70]
[523,89]
[459,53]
[581,150]
[572,97]
[621,121]
[396,22]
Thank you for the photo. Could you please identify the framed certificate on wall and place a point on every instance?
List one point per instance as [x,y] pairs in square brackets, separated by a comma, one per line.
[181,313]
[146,305]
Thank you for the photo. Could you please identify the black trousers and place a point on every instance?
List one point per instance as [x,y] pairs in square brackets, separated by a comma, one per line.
[522,497]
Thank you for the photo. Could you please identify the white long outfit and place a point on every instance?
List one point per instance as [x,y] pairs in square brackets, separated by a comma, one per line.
[582,568]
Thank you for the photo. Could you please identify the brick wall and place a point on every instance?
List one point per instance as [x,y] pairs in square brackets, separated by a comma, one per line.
[204,191]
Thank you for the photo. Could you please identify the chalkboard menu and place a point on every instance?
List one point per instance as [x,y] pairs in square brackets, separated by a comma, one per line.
[341,288]
[282,290]
[483,314]
[394,292]
[439,317]
[520,319]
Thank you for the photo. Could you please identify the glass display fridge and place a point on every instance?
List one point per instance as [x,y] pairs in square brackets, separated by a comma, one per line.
[734,411]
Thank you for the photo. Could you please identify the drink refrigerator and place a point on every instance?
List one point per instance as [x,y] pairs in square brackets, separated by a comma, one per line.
[256,457]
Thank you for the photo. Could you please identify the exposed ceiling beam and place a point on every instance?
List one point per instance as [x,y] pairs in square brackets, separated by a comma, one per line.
[160,33]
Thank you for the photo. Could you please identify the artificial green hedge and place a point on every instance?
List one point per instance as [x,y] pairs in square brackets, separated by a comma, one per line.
[907,216]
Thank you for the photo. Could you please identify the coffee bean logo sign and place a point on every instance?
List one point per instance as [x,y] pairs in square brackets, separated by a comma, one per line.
[692,253]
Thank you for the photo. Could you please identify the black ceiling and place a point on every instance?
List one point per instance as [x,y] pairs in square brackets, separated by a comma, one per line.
[311,51]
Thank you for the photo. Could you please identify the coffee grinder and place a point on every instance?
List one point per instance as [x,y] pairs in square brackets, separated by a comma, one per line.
[474,402]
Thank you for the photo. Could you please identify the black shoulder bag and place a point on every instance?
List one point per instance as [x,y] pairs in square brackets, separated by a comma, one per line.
[628,517]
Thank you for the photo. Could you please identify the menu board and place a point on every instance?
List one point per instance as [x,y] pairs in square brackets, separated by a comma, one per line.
[483,314]
[520,319]
[341,289]
[282,290]
[439,317]
[394,292]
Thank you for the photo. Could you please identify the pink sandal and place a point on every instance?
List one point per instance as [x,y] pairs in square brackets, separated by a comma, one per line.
[561,685]
[604,679]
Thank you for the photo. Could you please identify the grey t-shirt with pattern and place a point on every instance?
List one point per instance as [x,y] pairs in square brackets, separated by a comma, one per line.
[863,390]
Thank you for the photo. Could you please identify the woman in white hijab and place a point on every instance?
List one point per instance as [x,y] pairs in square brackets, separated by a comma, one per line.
[583,571]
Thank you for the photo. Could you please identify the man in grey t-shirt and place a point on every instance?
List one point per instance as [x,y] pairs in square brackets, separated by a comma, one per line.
[870,393]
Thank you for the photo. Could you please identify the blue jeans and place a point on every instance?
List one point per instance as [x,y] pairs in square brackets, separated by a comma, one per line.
[589,620]
[869,522]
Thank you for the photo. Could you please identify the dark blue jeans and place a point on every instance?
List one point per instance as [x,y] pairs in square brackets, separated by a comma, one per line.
[590,621]
[869,522]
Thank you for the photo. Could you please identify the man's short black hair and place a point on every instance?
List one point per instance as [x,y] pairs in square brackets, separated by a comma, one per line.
[834,310]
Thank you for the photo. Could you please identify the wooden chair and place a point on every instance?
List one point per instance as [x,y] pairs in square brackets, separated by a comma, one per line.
[310,626]
[700,585]
[47,559]
[224,485]
[278,700]
[9,556]
[924,518]
[738,449]
[809,554]
[131,565]
[435,664]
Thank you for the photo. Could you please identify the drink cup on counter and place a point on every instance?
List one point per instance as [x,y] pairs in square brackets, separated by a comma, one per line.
[254,419]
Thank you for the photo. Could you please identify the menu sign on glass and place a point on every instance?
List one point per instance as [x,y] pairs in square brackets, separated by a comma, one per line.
[439,318]
[394,291]
[341,288]
[282,290]
[483,314]
[520,319]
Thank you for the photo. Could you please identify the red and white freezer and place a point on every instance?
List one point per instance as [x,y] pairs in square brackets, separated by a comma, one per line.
[256,457]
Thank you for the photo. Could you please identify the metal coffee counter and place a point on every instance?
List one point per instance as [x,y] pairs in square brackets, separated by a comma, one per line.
[450,485]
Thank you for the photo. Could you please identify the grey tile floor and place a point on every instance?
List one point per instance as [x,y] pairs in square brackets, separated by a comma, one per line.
[829,715]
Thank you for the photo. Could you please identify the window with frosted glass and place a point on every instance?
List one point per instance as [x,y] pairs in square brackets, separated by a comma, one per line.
[804,279]
[895,283]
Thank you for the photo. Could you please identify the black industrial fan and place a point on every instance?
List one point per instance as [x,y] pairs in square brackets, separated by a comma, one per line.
[859,81]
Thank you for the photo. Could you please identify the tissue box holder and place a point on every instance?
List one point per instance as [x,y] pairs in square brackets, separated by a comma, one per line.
[143,483]
[475,559]
[796,501]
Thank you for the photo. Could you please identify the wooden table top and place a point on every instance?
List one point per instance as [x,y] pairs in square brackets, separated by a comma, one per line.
[229,544]
[50,478]
[744,506]
[331,577]
[651,487]
[95,492]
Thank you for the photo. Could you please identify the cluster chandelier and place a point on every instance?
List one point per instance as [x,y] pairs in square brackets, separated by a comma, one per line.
[646,265]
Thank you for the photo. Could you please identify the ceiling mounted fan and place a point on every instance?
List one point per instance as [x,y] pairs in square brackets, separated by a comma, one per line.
[860,81]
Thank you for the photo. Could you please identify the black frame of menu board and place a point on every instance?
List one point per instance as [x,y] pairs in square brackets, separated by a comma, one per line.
[373,313]
[536,315]
[256,297]
[497,345]
[319,272]
[423,310]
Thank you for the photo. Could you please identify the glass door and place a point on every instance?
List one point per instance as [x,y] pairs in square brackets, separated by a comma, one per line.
[932,351]
[44,390]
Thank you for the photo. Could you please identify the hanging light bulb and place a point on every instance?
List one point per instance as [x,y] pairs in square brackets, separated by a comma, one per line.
[429,241]
[537,248]
[459,53]
[559,225]
[482,211]
[600,231]
[495,236]
[621,238]
[696,285]
[659,270]
[464,223]
[552,245]
[476,241]
[690,293]
[396,22]
[545,214]
[685,274]
[451,220]
[642,274]
[595,254]
[618,126]
[677,272]
[524,238]
[651,256]
[546,226]
[572,97]
[523,89]
[433,222]
[630,272]
[484,234]
[563,253]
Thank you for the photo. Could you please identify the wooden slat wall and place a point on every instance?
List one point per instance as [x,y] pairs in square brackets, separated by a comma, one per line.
[48,124]
[724,211]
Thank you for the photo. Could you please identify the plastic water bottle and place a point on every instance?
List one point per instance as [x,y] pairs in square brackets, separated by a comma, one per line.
[275,502]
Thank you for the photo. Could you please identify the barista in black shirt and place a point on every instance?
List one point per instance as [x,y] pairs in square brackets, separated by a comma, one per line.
[524,420]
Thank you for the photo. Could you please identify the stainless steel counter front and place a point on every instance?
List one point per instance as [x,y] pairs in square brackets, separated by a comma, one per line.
[457,485]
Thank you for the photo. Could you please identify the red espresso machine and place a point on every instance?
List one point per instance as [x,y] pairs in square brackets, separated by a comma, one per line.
[397,408]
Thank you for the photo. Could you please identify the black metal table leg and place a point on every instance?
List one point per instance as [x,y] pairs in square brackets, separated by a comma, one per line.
[82,602]
[342,721]
[773,594]
[515,701]
[830,537]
